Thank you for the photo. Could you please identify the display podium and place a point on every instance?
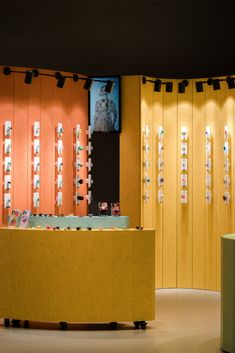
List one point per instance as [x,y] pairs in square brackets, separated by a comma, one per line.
[77,276]
[83,222]
[228,293]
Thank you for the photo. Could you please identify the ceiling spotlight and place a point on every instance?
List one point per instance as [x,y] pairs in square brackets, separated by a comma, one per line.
[157,86]
[57,75]
[28,77]
[109,86]
[199,86]
[214,82]
[169,86]
[60,80]
[35,73]
[230,82]
[88,84]
[75,77]
[7,70]
[182,85]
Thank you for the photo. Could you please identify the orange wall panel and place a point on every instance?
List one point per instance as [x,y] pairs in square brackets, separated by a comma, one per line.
[44,102]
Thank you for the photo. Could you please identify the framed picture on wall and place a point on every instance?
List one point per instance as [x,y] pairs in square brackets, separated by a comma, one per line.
[104,107]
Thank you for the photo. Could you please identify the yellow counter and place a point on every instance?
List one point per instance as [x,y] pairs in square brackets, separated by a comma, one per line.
[77,276]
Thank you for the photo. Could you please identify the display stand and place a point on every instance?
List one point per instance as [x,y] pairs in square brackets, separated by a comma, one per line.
[59,167]
[146,164]
[160,192]
[227,163]
[228,293]
[7,154]
[184,166]
[208,166]
[36,166]
[77,276]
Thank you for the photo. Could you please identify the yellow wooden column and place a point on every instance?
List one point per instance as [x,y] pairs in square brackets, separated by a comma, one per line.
[130,150]
[198,193]
[170,189]
[184,211]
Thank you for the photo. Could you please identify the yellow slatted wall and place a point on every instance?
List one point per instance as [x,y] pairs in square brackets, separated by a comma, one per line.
[187,235]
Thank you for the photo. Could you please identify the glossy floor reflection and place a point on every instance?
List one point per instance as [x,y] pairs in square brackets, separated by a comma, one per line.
[187,321]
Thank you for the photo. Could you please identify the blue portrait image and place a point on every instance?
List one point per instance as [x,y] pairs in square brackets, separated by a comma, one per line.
[105,107]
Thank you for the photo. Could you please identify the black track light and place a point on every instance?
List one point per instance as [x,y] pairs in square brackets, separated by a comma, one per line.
[169,86]
[88,83]
[7,70]
[28,77]
[215,82]
[57,75]
[75,77]
[35,73]
[60,80]
[230,82]
[109,86]
[157,86]
[199,86]
[182,85]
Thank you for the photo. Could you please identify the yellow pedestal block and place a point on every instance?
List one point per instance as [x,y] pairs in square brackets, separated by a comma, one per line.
[77,276]
[228,293]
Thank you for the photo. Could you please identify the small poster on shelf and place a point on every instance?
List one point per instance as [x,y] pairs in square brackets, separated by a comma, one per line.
[24,221]
[103,208]
[14,218]
[115,209]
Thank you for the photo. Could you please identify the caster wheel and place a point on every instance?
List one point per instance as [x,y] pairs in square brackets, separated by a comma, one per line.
[7,322]
[26,324]
[143,325]
[113,325]
[15,323]
[137,325]
[63,326]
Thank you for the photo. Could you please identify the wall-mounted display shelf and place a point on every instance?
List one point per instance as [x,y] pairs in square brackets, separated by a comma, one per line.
[208,165]
[160,165]
[7,155]
[184,166]
[36,165]
[227,163]
[59,166]
[146,178]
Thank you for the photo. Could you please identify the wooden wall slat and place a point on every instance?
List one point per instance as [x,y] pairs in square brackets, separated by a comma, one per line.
[6,113]
[198,189]
[184,211]
[34,114]
[158,122]
[149,206]
[170,190]
[131,151]
[20,148]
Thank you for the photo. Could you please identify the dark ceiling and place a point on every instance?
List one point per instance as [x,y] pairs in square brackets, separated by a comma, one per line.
[159,38]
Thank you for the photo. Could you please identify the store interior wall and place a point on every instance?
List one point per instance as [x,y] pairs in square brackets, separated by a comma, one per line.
[187,235]
[42,101]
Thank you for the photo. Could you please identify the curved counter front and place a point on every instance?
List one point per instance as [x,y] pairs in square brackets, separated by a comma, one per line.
[77,276]
[228,293]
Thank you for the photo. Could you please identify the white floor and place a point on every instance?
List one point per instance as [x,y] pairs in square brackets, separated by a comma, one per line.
[187,321]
